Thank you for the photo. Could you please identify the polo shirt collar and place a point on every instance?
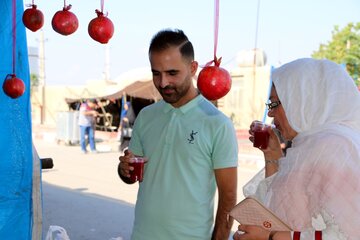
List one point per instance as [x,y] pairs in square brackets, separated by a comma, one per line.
[185,108]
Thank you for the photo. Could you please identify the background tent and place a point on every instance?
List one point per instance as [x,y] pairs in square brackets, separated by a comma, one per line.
[138,89]
[15,133]
[139,93]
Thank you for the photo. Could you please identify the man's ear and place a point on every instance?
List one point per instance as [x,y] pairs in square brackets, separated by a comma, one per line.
[194,67]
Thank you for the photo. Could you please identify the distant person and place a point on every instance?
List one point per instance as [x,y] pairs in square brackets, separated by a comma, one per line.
[127,116]
[87,120]
[191,148]
[127,122]
[124,111]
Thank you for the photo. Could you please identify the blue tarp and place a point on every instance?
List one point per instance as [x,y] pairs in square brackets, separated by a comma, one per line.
[15,132]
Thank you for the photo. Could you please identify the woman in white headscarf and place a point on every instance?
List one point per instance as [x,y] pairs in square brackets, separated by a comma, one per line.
[316,186]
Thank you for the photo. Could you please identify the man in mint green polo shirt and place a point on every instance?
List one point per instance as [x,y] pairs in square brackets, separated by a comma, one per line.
[191,148]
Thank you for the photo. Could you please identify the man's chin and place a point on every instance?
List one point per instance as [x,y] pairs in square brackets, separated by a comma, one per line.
[169,98]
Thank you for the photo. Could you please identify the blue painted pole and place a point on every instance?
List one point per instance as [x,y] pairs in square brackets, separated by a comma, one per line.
[15,132]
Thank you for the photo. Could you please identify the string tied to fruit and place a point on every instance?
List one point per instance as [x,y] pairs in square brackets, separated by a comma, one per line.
[32,4]
[101,11]
[12,86]
[33,18]
[66,7]
[214,82]
[101,28]
[64,21]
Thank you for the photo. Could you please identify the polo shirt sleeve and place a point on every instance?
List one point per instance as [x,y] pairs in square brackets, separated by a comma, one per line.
[225,146]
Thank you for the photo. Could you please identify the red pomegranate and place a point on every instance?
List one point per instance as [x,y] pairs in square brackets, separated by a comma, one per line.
[101,28]
[65,22]
[33,18]
[214,82]
[13,87]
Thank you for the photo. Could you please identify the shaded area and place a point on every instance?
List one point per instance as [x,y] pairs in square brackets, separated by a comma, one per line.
[86,216]
[110,109]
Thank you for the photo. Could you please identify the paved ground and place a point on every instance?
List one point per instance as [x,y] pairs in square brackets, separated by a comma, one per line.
[84,194]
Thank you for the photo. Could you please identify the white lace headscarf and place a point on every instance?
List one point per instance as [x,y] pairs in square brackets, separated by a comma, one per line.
[321,171]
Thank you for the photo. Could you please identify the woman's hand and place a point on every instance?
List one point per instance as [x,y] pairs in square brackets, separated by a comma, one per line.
[251,232]
[273,150]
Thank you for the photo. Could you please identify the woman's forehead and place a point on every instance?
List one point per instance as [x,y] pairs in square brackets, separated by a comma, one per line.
[273,93]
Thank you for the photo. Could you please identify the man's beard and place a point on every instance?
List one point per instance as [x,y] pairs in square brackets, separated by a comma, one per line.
[175,96]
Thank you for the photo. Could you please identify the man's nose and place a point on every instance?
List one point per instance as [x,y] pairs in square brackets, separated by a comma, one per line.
[164,81]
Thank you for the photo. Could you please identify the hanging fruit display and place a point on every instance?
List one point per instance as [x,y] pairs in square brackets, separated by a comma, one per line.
[214,82]
[33,18]
[101,28]
[13,87]
[65,22]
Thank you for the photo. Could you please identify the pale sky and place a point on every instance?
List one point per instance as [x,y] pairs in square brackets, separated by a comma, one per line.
[287,30]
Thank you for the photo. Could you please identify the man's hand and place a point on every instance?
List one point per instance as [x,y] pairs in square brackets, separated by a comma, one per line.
[124,168]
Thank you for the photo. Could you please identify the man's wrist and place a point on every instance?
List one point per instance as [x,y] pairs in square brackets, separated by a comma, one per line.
[272,155]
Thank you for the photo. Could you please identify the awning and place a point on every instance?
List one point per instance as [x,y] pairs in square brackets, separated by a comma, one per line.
[138,89]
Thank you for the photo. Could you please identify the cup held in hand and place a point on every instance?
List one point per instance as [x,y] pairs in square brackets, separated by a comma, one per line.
[138,173]
[261,135]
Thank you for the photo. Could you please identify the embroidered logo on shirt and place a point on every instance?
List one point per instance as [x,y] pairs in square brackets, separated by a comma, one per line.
[192,137]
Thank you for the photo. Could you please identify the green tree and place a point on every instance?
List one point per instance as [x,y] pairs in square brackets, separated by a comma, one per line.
[34,82]
[344,48]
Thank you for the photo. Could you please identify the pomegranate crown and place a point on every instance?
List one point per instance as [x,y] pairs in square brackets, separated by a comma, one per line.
[67,8]
[100,13]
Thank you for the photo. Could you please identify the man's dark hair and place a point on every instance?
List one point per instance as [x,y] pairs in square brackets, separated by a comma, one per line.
[172,38]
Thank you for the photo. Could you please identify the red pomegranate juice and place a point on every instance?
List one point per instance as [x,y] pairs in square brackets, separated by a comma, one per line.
[261,138]
[138,173]
[261,135]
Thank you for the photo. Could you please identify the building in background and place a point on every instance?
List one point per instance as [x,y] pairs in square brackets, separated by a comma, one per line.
[249,91]
[33,53]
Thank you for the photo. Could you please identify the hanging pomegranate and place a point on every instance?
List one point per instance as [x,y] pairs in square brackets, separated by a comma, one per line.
[13,87]
[33,18]
[101,28]
[214,82]
[64,21]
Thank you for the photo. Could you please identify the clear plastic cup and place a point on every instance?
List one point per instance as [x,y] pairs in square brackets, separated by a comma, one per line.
[261,135]
[138,173]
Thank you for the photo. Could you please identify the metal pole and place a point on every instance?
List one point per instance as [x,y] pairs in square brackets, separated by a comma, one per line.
[42,76]
[254,62]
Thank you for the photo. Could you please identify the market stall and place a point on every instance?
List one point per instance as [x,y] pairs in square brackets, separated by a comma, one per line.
[139,93]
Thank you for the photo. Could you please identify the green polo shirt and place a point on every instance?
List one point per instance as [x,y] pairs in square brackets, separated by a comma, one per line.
[184,146]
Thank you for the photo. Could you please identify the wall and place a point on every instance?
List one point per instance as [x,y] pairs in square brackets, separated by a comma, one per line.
[249,91]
